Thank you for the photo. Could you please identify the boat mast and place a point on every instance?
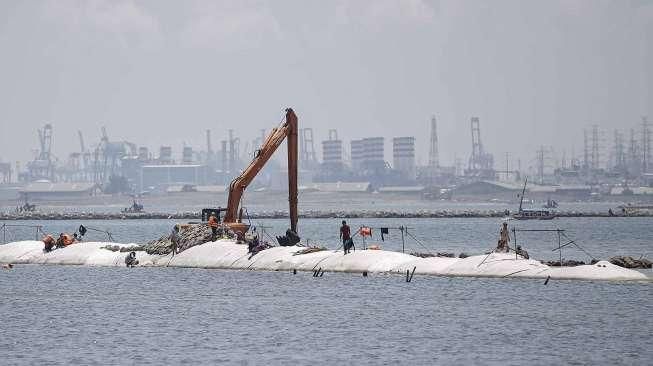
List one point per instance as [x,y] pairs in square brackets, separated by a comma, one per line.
[521,201]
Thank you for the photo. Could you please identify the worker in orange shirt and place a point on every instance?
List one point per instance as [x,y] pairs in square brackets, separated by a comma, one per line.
[68,239]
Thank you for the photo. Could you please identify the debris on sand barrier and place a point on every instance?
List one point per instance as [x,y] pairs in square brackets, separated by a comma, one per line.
[431,255]
[630,262]
[309,250]
[124,249]
[565,263]
[621,261]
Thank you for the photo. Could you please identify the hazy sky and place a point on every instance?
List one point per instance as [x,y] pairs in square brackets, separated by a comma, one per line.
[161,72]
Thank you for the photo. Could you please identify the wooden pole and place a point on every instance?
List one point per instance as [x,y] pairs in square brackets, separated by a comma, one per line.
[514,234]
[559,248]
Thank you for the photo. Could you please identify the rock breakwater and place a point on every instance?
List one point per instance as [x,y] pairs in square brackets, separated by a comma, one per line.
[309,214]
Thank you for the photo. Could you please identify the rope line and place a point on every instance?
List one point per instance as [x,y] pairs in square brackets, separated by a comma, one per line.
[418,242]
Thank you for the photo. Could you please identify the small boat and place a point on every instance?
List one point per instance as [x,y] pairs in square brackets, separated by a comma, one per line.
[134,208]
[530,214]
[526,214]
[550,204]
[630,209]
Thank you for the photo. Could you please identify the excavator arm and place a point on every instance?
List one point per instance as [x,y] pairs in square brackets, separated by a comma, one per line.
[288,129]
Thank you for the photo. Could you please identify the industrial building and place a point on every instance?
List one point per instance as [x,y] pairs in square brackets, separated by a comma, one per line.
[367,153]
[332,154]
[166,175]
[165,155]
[624,166]
[511,191]
[333,166]
[357,154]
[374,153]
[5,173]
[48,190]
[368,161]
[403,154]
[338,187]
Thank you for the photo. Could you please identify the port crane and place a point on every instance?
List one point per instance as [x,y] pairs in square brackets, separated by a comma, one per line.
[287,130]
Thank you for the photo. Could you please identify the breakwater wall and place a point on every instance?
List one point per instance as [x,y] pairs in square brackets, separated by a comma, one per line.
[189,215]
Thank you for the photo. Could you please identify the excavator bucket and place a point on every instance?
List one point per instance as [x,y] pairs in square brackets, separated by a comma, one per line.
[291,238]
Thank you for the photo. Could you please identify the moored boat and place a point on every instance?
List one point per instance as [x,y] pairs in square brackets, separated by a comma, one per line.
[531,214]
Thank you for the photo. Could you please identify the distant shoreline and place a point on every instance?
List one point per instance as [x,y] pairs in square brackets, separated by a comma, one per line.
[389,214]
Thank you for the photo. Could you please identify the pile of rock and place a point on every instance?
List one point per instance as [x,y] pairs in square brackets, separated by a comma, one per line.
[309,250]
[431,255]
[124,249]
[189,236]
[565,263]
[630,262]
[422,255]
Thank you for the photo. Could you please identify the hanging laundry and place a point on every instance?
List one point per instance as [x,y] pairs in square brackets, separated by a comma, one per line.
[384,230]
[365,231]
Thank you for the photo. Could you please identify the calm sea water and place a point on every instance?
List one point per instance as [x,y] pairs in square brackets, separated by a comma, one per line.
[82,315]
[77,315]
[321,201]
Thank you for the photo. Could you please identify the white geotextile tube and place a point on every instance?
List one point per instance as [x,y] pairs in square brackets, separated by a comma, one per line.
[226,254]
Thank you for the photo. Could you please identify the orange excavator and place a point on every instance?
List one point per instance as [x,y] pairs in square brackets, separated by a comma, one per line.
[233,214]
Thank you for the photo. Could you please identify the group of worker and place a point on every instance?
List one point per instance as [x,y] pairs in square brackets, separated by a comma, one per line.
[175,238]
[213,222]
[502,245]
[218,230]
[63,240]
[345,237]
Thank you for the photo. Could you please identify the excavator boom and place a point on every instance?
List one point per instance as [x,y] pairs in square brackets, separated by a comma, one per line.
[288,129]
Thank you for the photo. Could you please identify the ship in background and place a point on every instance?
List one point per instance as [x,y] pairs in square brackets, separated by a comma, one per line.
[531,214]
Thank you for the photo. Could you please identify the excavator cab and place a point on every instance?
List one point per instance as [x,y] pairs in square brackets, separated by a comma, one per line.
[206,213]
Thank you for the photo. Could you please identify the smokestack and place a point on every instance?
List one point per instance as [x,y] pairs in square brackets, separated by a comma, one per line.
[434,160]
[224,156]
[209,150]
